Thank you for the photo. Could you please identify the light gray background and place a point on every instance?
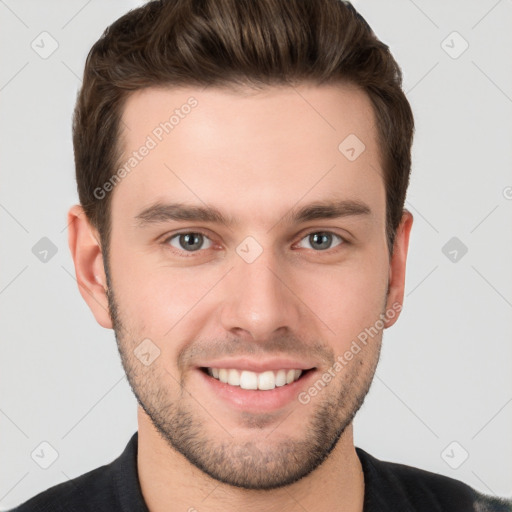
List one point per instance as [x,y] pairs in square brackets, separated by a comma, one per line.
[445,371]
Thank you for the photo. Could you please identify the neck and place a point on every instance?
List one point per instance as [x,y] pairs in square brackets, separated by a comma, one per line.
[167,477]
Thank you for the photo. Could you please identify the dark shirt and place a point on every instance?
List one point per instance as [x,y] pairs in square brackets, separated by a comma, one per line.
[389,487]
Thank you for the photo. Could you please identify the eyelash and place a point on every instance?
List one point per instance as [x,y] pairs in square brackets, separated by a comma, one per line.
[188,254]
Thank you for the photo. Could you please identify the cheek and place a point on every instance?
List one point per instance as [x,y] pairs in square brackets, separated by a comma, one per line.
[155,301]
[164,303]
[347,299]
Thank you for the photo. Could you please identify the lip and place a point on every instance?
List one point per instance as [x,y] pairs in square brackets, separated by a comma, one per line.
[255,400]
[274,364]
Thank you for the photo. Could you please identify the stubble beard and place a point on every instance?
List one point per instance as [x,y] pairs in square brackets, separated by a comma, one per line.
[259,464]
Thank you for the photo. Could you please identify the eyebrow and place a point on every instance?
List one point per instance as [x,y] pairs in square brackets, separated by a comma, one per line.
[164,212]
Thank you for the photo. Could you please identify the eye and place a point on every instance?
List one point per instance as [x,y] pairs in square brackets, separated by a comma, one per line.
[322,240]
[194,241]
[189,241]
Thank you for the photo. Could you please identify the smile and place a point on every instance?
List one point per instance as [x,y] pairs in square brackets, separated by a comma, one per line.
[262,381]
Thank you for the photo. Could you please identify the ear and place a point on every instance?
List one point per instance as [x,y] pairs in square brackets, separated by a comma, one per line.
[397,265]
[85,249]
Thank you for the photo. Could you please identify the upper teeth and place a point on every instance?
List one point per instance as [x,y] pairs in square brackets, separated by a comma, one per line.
[252,380]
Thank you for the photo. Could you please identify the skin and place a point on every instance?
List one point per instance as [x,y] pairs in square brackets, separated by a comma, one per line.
[255,156]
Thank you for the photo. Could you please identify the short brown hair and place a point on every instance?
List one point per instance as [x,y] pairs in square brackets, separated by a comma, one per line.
[235,42]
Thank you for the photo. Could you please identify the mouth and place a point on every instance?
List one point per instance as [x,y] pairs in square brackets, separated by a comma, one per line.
[262,381]
[255,385]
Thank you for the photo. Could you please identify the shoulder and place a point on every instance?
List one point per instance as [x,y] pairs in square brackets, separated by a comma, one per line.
[88,492]
[393,486]
[111,487]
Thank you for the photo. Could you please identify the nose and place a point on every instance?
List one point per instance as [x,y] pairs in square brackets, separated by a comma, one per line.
[258,298]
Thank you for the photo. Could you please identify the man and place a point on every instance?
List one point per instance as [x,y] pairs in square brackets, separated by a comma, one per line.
[242,168]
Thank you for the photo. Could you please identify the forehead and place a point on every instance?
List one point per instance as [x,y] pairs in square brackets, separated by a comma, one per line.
[248,151]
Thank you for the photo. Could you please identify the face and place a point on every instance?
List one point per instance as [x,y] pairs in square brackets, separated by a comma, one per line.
[248,258]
